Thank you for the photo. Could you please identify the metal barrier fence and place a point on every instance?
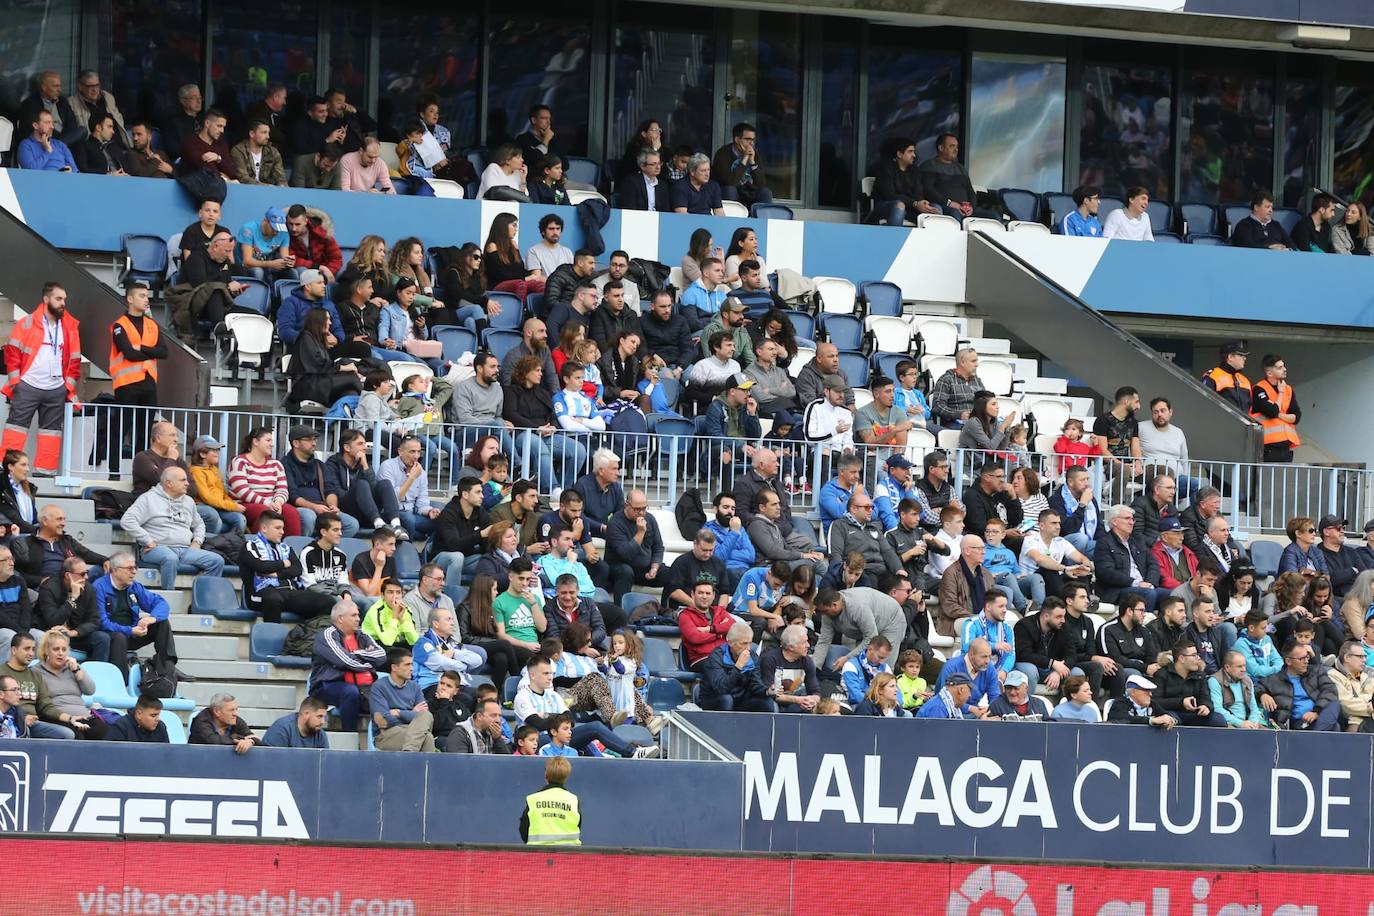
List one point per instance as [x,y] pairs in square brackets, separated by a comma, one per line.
[1258,498]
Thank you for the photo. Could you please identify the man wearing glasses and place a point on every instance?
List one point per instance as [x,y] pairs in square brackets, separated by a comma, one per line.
[13,723]
[133,616]
[1183,691]
[90,100]
[1082,220]
[1302,695]
[428,595]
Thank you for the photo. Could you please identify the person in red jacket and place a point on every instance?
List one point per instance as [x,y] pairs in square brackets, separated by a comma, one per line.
[311,244]
[703,624]
[1177,564]
[42,359]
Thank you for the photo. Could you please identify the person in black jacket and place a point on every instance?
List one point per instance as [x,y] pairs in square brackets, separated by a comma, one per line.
[460,531]
[1313,232]
[633,540]
[142,724]
[1078,644]
[100,153]
[1210,640]
[1320,711]
[67,602]
[362,495]
[219,723]
[547,185]
[47,96]
[636,187]
[1128,641]
[989,493]
[1122,563]
[1083,522]
[42,553]
[272,575]
[898,188]
[1183,692]
[207,286]
[18,497]
[1157,502]
[613,318]
[306,486]
[529,407]
[730,676]
[1260,229]
[1038,645]
[667,334]
[1137,706]
[317,377]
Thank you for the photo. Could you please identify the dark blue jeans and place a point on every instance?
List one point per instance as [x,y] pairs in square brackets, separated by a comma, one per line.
[346,698]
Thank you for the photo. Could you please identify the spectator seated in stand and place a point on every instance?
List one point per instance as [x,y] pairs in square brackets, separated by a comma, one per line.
[142,724]
[219,723]
[1137,707]
[730,676]
[272,575]
[898,187]
[400,714]
[945,182]
[255,159]
[389,621]
[703,624]
[41,151]
[696,192]
[345,663]
[1302,696]
[1183,692]
[301,729]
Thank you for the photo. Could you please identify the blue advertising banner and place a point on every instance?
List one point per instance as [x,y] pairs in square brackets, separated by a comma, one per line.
[74,787]
[1057,791]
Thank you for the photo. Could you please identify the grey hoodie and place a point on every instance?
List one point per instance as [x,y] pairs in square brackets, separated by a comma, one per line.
[156,516]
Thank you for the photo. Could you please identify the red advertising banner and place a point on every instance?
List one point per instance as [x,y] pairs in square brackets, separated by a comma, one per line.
[120,877]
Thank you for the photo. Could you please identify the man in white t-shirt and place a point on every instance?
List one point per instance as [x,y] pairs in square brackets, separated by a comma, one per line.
[827,420]
[1163,443]
[1050,561]
[548,254]
[1131,221]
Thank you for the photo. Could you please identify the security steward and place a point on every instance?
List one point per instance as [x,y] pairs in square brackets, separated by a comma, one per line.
[1277,411]
[551,817]
[1227,380]
[136,344]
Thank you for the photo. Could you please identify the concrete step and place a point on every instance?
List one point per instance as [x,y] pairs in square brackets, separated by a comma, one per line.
[178,600]
[345,741]
[260,717]
[76,509]
[263,695]
[96,535]
[211,648]
[242,671]
[207,625]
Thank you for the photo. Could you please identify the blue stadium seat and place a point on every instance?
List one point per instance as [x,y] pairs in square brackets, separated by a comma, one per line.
[1288,218]
[886,363]
[283,289]
[511,686]
[1265,555]
[1171,238]
[675,436]
[215,595]
[110,689]
[265,642]
[659,659]
[881,297]
[459,593]
[633,600]
[803,325]
[351,547]
[835,653]
[176,729]
[1020,203]
[500,342]
[511,310]
[407,563]
[1234,213]
[1198,238]
[256,295]
[770,211]
[477,156]
[855,365]
[845,331]
[665,694]
[145,259]
[173,704]
[456,341]
[1161,214]
[583,170]
[1058,206]
[535,303]
[1199,218]
[1107,206]
[297,542]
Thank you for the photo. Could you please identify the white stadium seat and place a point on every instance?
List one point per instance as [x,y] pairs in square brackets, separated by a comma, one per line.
[938,221]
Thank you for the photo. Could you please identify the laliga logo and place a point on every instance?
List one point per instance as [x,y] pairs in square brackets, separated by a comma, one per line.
[14,792]
[991,893]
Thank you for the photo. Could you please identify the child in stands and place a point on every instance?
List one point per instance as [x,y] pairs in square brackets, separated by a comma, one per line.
[628,677]
[526,741]
[560,737]
[913,688]
[1071,448]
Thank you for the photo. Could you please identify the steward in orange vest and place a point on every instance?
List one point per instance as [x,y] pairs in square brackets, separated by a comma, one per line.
[43,361]
[136,345]
[1227,380]
[1278,412]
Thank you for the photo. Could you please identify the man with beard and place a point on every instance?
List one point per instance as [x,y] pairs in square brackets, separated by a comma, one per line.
[534,342]
[618,269]
[43,359]
[141,160]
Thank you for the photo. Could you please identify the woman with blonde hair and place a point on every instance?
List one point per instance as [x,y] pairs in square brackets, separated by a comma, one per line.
[66,681]
[882,698]
[1350,234]
[368,262]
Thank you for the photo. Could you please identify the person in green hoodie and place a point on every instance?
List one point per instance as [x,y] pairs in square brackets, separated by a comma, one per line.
[389,621]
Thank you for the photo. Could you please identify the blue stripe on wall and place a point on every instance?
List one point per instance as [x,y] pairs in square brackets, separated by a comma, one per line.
[856,253]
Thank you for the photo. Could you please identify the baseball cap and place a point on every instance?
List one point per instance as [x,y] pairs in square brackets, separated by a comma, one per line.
[741,381]
[897,461]
[1330,521]
[1169,523]
[731,304]
[958,680]
[1016,679]
[205,442]
[1369,526]
[311,276]
[303,432]
[276,218]
[1140,682]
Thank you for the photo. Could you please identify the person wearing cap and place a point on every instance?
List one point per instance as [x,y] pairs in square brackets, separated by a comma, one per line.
[1177,563]
[828,421]
[265,247]
[311,294]
[1137,706]
[1276,408]
[136,345]
[893,487]
[731,319]
[1227,379]
[951,700]
[702,301]
[732,420]
[1342,562]
[211,492]
[306,486]
[1303,555]
[1015,704]
[1365,554]
[255,158]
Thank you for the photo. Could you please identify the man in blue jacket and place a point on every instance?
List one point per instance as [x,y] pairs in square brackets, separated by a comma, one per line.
[294,308]
[893,487]
[976,665]
[833,500]
[133,616]
[951,701]
[730,676]
[733,547]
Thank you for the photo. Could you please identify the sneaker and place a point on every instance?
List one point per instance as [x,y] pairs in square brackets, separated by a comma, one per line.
[619,718]
[645,752]
[655,725]
[401,533]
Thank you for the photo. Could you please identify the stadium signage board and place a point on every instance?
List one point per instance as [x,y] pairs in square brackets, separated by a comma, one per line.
[1035,790]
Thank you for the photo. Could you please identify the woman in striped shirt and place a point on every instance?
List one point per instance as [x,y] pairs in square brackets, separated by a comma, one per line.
[258,481]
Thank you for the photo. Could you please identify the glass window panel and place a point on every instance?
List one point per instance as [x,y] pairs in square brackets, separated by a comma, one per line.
[913,92]
[1227,123]
[431,53]
[258,42]
[37,35]
[156,46]
[767,75]
[540,61]
[839,96]
[349,29]
[1016,123]
[1125,138]
[1302,108]
[662,73]
[1354,161]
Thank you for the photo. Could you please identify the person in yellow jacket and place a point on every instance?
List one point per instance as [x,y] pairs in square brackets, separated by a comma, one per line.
[1276,408]
[210,488]
[389,621]
[551,816]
